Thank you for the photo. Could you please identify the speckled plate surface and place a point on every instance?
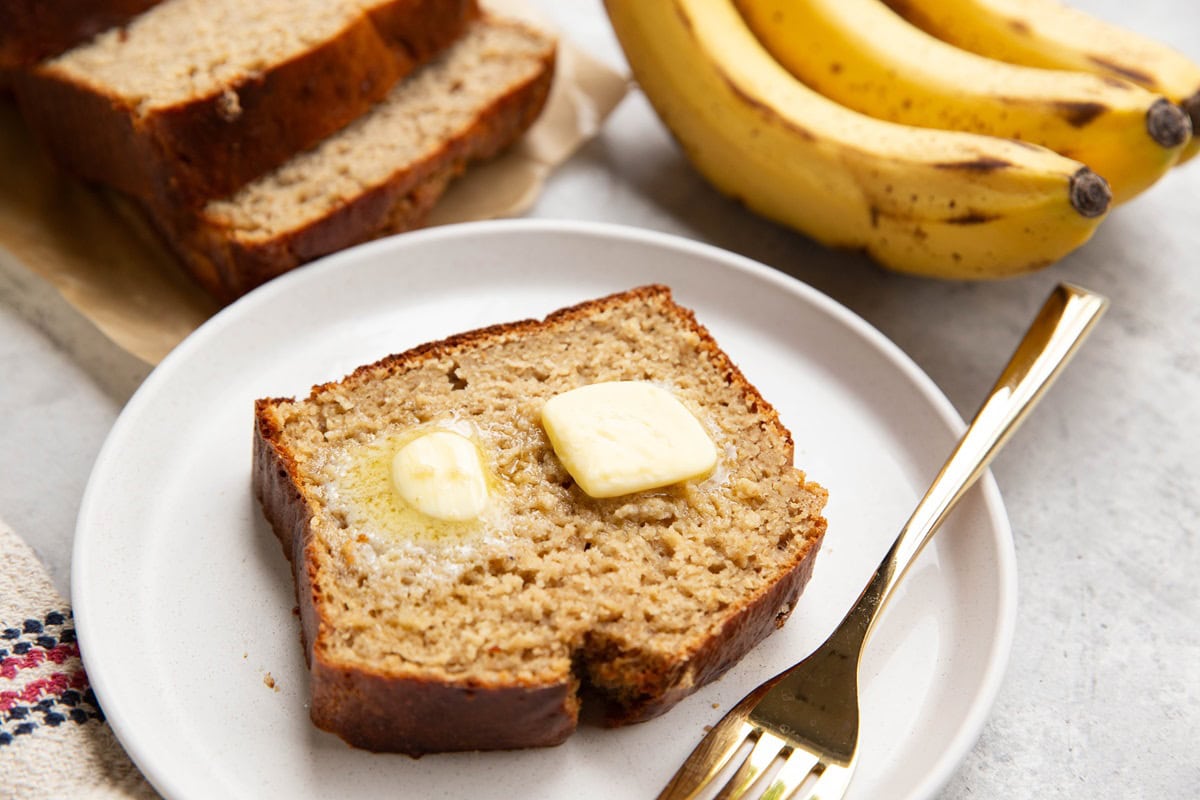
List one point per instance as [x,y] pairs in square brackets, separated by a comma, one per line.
[184,599]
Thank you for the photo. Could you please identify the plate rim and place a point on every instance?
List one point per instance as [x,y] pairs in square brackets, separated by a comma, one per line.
[991,678]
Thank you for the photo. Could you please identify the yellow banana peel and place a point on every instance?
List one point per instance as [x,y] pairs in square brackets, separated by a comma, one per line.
[1048,34]
[863,55]
[923,201]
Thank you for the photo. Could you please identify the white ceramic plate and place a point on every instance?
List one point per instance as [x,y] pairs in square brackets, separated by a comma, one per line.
[184,599]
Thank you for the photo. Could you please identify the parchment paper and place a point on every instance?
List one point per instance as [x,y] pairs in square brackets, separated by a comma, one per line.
[106,263]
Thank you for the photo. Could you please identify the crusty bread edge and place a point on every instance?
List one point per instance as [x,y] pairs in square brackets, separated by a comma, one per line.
[208,248]
[39,29]
[373,710]
[210,146]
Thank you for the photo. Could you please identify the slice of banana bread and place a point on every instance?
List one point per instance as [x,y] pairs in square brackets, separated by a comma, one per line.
[380,175]
[427,636]
[33,30]
[194,98]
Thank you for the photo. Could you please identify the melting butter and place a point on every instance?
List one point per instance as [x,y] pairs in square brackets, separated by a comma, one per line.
[621,437]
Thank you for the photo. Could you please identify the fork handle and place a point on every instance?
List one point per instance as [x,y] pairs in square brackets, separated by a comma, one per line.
[1064,321]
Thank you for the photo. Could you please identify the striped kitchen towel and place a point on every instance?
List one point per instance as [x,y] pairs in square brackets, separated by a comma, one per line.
[54,742]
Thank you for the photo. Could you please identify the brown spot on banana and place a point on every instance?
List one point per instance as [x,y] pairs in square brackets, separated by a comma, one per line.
[767,111]
[972,218]
[980,164]
[1077,113]
[1020,26]
[1089,193]
[915,16]
[1135,75]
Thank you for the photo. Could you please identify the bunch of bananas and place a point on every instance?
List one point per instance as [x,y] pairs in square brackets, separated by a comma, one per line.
[965,139]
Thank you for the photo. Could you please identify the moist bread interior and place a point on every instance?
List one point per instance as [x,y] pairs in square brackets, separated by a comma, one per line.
[184,49]
[429,108]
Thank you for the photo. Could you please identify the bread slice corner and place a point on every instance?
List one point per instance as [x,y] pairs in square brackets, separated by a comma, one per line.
[191,99]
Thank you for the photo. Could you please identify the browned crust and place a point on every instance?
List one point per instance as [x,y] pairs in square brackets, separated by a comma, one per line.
[739,634]
[37,29]
[653,294]
[399,204]
[208,147]
[403,715]
[373,710]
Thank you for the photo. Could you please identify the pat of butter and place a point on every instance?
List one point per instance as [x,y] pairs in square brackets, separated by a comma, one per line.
[440,474]
[626,436]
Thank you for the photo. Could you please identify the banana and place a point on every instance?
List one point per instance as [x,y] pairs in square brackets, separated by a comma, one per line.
[935,203]
[1045,33]
[864,56]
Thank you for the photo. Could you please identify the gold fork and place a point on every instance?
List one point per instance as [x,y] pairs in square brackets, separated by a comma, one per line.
[807,717]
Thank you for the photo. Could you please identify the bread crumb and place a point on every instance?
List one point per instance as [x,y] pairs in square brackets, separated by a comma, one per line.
[229,106]
[269,681]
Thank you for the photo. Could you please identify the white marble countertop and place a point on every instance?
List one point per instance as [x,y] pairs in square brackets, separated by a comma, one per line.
[1102,485]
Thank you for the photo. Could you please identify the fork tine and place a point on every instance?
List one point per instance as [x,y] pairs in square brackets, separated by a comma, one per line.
[798,766]
[716,748]
[765,750]
[708,758]
[832,783]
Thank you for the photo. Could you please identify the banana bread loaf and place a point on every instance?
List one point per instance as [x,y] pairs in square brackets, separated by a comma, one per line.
[379,175]
[194,98]
[478,634]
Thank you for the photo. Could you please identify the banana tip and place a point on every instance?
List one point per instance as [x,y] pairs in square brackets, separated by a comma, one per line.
[1191,105]
[1090,195]
[1169,124]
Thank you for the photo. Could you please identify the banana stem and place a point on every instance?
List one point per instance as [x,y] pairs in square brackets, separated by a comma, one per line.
[1167,123]
[1090,195]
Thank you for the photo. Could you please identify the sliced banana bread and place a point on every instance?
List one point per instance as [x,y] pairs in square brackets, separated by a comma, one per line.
[427,636]
[33,30]
[194,98]
[381,174]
